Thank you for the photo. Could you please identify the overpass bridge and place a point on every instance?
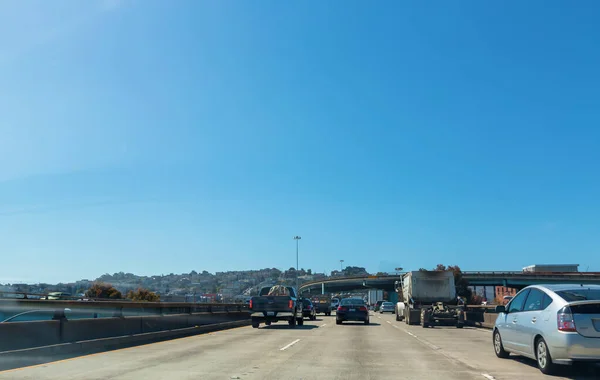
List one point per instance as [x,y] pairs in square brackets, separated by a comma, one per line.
[516,280]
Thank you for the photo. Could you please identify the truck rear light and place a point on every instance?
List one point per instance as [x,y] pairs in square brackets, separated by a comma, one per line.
[363,308]
[250,305]
[341,308]
[565,321]
[291,304]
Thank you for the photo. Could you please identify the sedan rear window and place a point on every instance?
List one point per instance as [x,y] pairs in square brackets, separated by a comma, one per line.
[353,301]
[388,304]
[580,294]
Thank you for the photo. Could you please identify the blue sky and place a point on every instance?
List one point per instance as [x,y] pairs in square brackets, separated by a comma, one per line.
[155,137]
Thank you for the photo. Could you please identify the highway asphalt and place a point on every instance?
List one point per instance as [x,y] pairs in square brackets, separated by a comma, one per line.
[318,350]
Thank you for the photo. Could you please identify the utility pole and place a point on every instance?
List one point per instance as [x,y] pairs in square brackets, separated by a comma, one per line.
[297,238]
[341,266]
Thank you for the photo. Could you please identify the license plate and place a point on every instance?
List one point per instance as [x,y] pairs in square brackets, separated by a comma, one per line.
[352,309]
[270,313]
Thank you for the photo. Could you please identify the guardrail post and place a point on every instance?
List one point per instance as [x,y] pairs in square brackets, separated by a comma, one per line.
[118,313]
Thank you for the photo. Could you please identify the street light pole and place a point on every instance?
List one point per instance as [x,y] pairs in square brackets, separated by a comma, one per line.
[297,238]
[341,266]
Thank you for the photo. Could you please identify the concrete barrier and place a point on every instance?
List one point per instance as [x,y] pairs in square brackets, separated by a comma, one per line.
[22,335]
[39,355]
[15,336]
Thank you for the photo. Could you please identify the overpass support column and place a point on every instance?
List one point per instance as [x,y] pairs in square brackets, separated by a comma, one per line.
[322,288]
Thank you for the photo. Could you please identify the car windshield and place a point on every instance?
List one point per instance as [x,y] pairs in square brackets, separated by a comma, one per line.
[178,168]
[579,294]
[352,301]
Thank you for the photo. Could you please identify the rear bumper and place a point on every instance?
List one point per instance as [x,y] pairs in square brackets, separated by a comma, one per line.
[276,317]
[352,317]
[566,348]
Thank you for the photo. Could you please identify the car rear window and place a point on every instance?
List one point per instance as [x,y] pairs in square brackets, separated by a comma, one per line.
[579,294]
[353,301]
[388,304]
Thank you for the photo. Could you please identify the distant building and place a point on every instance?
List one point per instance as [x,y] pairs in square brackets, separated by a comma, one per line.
[502,291]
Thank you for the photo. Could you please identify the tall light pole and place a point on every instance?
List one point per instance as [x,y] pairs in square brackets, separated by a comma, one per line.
[341,266]
[297,238]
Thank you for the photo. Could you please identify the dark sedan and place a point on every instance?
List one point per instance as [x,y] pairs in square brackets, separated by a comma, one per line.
[352,309]
[308,310]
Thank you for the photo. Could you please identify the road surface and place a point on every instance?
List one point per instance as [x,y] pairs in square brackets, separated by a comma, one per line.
[318,350]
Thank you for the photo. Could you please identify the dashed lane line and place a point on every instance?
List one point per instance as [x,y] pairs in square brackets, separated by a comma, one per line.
[289,345]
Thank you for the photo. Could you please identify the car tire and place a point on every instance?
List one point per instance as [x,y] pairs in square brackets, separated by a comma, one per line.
[338,322]
[498,346]
[268,323]
[367,321]
[300,321]
[543,358]
[255,325]
[292,322]
[460,325]
[313,318]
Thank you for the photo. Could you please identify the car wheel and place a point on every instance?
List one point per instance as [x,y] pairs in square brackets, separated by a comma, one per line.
[255,325]
[498,346]
[292,322]
[300,322]
[367,321]
[268,323]
[544,360]
[338,322]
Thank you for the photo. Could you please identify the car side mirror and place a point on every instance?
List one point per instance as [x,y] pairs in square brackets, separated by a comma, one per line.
[500,309]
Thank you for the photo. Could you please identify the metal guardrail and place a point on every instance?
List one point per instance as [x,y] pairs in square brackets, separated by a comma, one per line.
[60,309]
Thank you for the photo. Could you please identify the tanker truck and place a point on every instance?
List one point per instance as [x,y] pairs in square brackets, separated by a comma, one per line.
[429,298]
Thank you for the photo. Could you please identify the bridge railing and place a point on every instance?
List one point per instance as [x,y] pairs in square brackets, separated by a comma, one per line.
[28,309]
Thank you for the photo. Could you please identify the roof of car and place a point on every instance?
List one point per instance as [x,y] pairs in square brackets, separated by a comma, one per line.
[559,287]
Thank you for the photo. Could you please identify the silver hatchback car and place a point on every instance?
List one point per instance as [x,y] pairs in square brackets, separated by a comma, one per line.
[552,324]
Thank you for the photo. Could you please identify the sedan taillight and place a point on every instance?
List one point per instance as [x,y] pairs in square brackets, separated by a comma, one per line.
[290,304]
[363,308]
[565,321]
[250,305]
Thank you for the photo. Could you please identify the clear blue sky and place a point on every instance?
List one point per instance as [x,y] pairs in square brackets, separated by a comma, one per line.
[155,136]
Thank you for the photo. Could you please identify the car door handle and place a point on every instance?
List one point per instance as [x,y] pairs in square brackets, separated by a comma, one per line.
[514,320]
[533,319]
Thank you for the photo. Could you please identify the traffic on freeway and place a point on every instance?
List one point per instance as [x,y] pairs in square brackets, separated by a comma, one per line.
[320,349]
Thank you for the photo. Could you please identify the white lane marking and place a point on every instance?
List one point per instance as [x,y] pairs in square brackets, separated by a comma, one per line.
[389,322]
[289,345]
[489,377]
[323,325]
[432,346]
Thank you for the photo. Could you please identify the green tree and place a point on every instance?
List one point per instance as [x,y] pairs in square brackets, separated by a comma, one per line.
[462,285]
[143,295]
[103,290]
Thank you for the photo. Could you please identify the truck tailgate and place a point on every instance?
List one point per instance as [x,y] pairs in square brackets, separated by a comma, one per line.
[271,304]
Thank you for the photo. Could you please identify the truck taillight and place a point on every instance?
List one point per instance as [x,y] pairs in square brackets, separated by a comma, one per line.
[565,321]
[250,305]
[291,304]
[363,308]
